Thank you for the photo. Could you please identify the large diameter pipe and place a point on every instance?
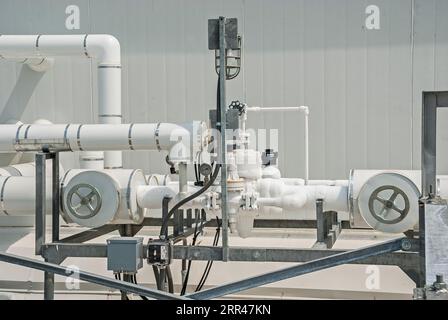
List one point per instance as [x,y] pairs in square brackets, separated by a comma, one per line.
[34,50]
[18,196]
[107,137]
[27,169]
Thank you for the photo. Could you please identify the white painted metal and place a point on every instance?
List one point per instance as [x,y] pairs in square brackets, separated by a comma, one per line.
[95,137]
[14,201]
[35,50]
[117,189]
[401,183]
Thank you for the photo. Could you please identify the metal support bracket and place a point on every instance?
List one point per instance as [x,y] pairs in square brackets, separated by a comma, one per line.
[40,222]
[328,227]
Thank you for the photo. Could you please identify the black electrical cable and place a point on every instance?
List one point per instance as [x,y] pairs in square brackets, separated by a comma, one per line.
[169,277]
[209,265]
[193,242]
[196,173]
[134,280]
[164,228]
[157,276]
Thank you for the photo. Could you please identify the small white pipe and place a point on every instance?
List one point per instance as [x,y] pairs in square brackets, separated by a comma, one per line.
[35,51]
[183,179]
[306,111]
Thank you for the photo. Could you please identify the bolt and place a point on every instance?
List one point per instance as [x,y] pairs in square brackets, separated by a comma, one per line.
[406,245]
[196,254]
[256,254]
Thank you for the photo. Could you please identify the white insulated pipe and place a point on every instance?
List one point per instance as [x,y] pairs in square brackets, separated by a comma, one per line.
[27,169]
[306,111]
[18,196]
[275,193]
[35,49]
[95,137]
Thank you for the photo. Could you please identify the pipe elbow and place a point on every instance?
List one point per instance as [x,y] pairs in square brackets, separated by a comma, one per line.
[104,47]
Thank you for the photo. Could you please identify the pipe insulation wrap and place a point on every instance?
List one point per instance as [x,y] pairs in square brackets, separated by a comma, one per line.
[35,51]
[104,137]
[275,193]
[103,47]
[15,202]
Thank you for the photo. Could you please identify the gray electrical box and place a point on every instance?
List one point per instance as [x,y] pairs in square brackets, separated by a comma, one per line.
[124,254]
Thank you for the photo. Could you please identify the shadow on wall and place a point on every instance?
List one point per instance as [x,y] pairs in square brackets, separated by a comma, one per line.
[21,94]
[16,105]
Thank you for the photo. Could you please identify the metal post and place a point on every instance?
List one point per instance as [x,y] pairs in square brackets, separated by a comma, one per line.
[223,127]
[48,285]
[40,202]
[429,128]
[41,209]
[165,211]
[320,220]
[55,199]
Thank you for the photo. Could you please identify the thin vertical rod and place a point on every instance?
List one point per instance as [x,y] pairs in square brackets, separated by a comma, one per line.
[223,126]
[307,148]
[55,198]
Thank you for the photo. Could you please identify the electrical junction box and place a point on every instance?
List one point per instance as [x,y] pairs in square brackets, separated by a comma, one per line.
[159,252]
[124,254]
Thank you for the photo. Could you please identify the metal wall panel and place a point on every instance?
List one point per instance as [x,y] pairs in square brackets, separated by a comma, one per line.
[363,86]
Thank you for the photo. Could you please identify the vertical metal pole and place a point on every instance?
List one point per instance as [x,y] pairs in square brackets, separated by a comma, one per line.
[40,202]
[55,199]
[223,127]
[429,131]
[165,212]
[421,279]
[48,285]
[320,221]
[40,227]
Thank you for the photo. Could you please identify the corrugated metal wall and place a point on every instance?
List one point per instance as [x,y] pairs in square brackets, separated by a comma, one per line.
[363,86]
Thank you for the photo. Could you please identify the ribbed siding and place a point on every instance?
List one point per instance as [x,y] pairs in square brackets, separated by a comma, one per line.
[363,87]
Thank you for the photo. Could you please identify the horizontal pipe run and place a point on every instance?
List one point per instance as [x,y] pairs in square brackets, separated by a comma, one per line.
[38,51]
[97,137]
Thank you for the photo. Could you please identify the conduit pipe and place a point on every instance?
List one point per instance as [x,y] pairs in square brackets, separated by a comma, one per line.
[107,137]
[306,111]
[37,50]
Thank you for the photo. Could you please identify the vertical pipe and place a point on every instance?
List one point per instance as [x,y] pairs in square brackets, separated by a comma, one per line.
[183,179]
[55,197]
[109,106]
[223,127]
